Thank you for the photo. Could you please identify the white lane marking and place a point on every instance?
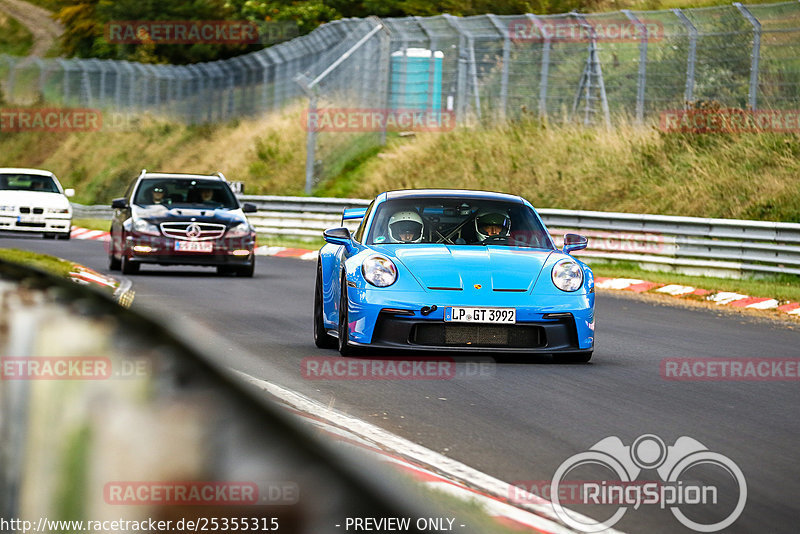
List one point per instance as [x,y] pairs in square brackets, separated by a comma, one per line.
[545,518]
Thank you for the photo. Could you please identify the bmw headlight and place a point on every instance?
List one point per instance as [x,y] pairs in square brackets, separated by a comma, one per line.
[144,227]
[7,208]
[240,230]
[567,275]
[57,211]
[379,271]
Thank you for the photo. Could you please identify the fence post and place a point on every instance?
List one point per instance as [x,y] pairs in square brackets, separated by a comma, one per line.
[470,58]
[756,54]
[692,56]
[544,71]
[642,77]
[503,30]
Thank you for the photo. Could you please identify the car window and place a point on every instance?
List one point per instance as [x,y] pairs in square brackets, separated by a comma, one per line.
[27,182]
[359,235]
[185,192]
[457,222]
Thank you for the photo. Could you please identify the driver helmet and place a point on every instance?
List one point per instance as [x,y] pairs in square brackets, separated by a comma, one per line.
[407,221]
[492,218]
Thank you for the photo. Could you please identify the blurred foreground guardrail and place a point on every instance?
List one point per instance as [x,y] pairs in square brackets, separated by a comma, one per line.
[722,247]
[113,421]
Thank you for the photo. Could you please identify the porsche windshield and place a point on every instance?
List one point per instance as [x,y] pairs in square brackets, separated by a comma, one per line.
[185,192]
[457,222]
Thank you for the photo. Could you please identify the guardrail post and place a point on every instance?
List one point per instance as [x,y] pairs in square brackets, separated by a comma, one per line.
[755,55]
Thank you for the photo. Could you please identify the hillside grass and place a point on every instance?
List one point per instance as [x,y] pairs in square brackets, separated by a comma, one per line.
[15,39]
[628,169]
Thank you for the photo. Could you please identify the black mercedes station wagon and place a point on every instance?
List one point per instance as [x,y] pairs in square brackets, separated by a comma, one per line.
[181,219]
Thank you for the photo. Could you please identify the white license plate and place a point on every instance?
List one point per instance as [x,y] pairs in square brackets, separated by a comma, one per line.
[194,246]
[463,314]
[30,218]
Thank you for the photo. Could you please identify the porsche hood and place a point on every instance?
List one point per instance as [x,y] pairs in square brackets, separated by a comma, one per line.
[447,267]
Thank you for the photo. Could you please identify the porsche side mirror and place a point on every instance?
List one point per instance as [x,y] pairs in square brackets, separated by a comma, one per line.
[574,242]
[119,203]
[339,236]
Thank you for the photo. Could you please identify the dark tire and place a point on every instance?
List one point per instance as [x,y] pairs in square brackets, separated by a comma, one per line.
[48,236]
[128,266]
[64,237]
[113,263]
[345,349]
[321,337]
[246,271]
[223,270]
[574,357]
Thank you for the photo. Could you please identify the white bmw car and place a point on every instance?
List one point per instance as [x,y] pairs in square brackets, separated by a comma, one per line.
[33,201]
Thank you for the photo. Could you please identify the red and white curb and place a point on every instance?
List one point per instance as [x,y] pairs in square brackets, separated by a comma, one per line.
[286,252]
[428,467]
[84,233]
[721,298]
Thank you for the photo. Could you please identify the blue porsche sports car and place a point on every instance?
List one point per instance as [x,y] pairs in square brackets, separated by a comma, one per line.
[453,270]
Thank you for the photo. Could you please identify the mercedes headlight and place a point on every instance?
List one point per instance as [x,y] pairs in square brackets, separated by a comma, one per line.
[567,275]
[144,227]
[379,271]
[240,230]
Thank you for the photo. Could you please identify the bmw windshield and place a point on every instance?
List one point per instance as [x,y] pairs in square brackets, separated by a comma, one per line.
[27,182]
[185,193]
[457,222]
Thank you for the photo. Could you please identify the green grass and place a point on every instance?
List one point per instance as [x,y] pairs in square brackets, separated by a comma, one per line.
[15,39]
[93,224]
[44,262]
[780,287]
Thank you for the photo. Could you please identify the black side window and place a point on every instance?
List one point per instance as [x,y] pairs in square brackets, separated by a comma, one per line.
[360,232]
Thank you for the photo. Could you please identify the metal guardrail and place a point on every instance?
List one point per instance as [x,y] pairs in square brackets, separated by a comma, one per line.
[723,247]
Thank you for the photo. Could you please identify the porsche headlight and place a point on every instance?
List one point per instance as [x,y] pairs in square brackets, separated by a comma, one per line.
[145,227]
[240,230]
[567,275]
[379,271]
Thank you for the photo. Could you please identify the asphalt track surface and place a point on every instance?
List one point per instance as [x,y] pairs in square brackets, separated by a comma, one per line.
[522,420]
